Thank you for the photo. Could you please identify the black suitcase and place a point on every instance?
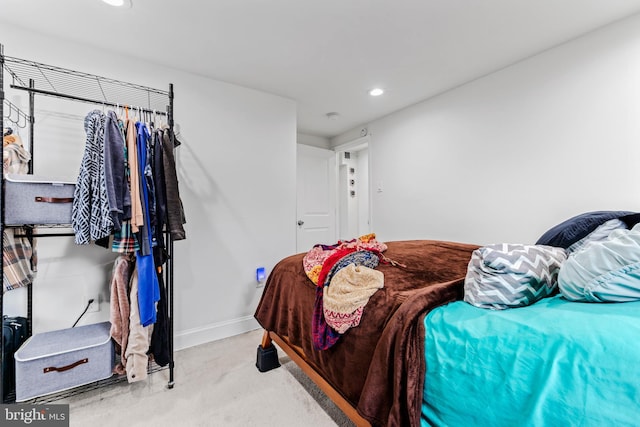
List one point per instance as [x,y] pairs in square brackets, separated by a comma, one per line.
[14,333]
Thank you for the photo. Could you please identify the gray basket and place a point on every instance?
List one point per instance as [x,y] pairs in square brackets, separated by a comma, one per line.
[59,360]
[32,199]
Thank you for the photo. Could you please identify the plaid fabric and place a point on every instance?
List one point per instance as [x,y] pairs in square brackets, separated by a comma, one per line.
[16,255]
[124,241]
[20,260]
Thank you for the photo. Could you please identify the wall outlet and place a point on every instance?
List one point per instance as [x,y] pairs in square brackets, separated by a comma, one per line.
[95,305]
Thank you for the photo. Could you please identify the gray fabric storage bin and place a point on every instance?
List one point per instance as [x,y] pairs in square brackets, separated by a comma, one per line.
[59,360]
[32,199]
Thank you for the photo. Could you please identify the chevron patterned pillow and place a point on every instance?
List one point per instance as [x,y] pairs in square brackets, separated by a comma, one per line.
[509,275]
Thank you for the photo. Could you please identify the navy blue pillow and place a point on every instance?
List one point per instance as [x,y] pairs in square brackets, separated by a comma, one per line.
[570,231]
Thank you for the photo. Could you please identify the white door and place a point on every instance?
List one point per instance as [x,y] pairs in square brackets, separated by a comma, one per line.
[316,201]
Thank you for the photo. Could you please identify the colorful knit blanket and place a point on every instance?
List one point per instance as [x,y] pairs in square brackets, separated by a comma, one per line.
[321,264]
[314,259]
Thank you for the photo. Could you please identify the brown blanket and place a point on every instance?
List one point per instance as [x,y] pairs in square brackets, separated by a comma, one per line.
[379,365]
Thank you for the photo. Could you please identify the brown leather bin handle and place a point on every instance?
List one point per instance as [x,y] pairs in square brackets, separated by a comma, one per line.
[54,199]
[66,368]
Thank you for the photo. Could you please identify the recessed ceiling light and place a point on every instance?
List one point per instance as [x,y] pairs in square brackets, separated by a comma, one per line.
[376,91]
[118,3]
[333,115]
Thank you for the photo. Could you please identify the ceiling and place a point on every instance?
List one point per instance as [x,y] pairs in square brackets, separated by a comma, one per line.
[326,54]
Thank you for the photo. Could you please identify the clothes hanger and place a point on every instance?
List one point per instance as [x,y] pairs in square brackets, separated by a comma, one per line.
[10,105]
[24,118]
[16,121]
[10,113]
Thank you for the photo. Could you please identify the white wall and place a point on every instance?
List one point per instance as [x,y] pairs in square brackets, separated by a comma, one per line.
[362,190]
[505,157]
[313,140]
[237,181]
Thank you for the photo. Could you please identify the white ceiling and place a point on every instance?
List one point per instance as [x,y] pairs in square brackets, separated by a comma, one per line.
[326,54]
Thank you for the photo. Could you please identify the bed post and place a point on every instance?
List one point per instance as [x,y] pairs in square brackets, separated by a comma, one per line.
[267,358]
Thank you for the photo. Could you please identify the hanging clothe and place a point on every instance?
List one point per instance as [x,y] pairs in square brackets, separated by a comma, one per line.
[16,256]
[90,215]
[159,348]
[11,138]
[120,309]
[144,230]
[175,211]
[124,240]
[118,193]
[150,186]
[148,286]
[15,159]
[134,178]
[159,251]
[139,337]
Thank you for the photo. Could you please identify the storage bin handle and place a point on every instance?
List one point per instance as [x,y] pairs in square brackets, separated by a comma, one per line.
[54,199]
[66,368]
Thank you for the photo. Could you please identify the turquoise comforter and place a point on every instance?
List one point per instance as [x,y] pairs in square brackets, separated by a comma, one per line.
[554,363]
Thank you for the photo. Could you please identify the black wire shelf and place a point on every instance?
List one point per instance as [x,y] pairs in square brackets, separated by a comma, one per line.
[61,395]
[42,79]
[71,84]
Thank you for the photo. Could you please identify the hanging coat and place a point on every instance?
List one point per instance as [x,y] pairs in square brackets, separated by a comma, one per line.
[115,172]
[90,214]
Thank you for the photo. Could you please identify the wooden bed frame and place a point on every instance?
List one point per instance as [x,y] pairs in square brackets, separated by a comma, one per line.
[297,355]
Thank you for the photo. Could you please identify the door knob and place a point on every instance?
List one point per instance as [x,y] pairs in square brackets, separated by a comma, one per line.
[300,222]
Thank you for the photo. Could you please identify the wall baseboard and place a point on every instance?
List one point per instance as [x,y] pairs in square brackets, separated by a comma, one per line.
[214,332]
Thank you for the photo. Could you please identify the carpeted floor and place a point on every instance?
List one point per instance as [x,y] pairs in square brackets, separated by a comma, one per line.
[216,384]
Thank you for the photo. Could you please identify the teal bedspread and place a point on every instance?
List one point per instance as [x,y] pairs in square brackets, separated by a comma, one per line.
[554,363]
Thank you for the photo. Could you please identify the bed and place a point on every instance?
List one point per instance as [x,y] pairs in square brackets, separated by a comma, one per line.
[375,372]
[423,356]
[537,365]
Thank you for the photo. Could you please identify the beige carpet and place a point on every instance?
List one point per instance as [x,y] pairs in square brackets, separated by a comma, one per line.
[216,384]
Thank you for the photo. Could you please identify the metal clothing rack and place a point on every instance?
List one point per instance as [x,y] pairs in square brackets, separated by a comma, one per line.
[47,80]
